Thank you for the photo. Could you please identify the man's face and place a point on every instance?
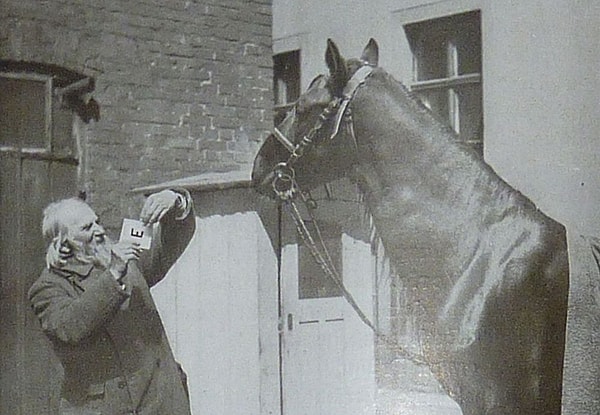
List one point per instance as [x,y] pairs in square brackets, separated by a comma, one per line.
[83,226]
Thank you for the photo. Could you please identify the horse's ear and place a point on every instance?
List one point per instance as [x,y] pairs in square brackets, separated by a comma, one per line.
[370,54]
[333,58]
[337,67]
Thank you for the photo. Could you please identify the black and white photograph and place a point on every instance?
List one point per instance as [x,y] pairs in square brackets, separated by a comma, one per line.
[278,207]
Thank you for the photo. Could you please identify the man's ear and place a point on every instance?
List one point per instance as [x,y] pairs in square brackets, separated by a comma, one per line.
[66,248]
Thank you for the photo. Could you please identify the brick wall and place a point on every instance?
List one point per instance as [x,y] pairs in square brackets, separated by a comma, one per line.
[184,87]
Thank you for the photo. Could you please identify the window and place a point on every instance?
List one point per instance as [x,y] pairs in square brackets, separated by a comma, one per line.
[286,82]
[313,282]
[33,119]
[447,71]
[25,107]
[38,104]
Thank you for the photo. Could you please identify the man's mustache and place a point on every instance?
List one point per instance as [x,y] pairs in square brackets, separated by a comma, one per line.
[97,251]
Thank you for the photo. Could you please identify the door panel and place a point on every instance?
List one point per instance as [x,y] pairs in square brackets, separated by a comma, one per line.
[312,346]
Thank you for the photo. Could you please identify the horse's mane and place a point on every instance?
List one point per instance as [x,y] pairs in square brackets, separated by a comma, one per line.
[415,103]
[445,141]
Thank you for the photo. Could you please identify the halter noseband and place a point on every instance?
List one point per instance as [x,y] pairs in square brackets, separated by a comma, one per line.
[284,183]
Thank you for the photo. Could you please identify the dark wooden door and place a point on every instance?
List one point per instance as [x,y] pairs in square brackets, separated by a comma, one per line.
[32,175]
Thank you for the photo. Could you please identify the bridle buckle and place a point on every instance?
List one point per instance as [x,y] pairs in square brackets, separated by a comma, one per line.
[284,183]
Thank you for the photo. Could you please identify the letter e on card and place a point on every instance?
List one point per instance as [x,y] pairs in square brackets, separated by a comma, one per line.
[135,231]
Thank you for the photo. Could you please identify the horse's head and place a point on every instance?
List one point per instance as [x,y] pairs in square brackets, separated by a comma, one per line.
[310,143]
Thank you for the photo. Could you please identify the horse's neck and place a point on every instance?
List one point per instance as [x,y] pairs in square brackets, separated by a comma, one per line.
[422,189]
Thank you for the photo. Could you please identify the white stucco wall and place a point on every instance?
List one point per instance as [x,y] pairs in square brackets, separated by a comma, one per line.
[542,89]
[541,82]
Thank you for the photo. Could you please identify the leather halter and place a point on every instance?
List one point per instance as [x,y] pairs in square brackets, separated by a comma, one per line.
[284,182]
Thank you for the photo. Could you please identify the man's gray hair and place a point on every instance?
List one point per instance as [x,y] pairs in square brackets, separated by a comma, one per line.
[56,230]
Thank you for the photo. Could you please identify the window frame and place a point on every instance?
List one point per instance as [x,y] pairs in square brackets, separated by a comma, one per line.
[449,80]
[414,13]
[452,79]
[63,90]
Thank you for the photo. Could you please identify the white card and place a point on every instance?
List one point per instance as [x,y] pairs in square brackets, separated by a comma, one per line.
[135,231]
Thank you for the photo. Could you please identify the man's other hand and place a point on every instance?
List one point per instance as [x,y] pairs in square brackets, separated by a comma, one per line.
[121,254]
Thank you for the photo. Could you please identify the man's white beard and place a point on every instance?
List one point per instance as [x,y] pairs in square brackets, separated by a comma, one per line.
[93,252]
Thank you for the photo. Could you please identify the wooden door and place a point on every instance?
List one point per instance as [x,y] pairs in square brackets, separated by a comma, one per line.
[327,352]
[313,340]
[32,175]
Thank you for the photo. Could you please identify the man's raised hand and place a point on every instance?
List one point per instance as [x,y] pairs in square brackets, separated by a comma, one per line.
[157,205]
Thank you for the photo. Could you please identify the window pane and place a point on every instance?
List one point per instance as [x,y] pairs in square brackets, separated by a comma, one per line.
[23,112]
[437,101]
[468,42]
[286,77]
[312,280]
[471,116]
[462,103]
[434,41]
[431,59]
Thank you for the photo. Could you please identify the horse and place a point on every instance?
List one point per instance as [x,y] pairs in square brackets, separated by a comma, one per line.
[496,304]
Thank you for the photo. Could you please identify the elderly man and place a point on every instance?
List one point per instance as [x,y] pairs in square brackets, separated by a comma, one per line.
[93,302]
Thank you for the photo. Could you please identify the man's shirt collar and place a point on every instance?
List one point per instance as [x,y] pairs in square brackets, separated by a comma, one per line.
[74,267]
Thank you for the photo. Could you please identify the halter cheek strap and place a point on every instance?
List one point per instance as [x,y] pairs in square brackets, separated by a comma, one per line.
[350,89]
[284,140]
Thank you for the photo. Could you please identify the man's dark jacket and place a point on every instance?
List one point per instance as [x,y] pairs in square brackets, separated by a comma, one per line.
[110,340]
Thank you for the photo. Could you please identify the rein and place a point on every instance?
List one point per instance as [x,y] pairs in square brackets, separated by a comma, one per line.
[285,187]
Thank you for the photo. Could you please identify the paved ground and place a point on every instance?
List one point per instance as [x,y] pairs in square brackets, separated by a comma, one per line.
[406,388]
[415,403]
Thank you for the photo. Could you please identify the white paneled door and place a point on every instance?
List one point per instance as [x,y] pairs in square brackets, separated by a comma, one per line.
[327,352]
